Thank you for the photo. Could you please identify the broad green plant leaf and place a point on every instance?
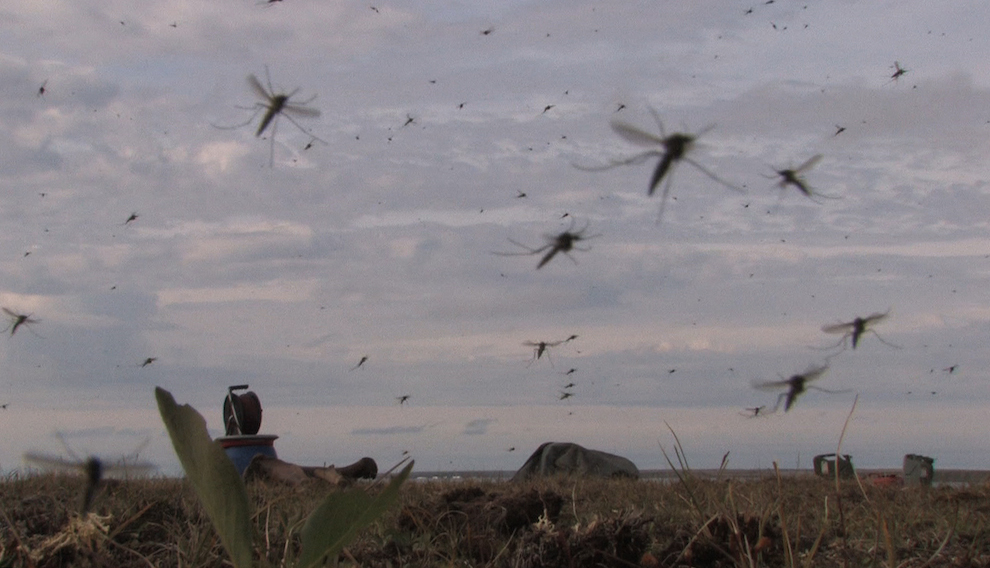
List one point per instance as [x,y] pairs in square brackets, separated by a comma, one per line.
[212,474]
[341,515]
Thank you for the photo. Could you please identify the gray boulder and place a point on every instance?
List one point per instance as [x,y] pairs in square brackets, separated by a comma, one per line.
[564,458]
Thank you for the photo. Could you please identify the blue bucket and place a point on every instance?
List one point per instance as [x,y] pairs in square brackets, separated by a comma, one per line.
[242,449]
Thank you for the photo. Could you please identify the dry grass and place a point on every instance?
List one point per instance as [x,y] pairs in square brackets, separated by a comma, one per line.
[558,522]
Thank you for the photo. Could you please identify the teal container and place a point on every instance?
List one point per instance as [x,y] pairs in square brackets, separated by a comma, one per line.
[242,449]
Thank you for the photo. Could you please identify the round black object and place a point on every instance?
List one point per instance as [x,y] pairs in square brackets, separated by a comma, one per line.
[245,416]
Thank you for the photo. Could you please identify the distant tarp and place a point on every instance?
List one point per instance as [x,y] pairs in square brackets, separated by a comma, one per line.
[564,458]
[918,470]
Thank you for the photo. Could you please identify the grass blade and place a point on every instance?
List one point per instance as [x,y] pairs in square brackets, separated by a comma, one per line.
[213,476]
[341,515]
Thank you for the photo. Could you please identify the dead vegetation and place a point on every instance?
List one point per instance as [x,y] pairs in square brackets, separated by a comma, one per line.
[565,522]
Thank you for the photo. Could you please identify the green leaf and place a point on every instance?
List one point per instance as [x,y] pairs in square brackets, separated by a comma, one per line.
[341,515]
[212,474]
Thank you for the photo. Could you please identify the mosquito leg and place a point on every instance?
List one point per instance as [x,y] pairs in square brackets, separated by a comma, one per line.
[780,399]
[257,109]
[656,117]
[882,340]
[708,173]
[303,130]
[271,145]
[843,342]
[664,195]
[637,159]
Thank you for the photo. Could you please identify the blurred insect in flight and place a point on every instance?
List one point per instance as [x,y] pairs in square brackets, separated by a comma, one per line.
[560,243]
[17,320]
[753,412]
[541,347]
[669,149]
[793,177]
[93,468]
[795,385]
[275,105]
[402,399]
[41,89]
[856,328]
[898,72]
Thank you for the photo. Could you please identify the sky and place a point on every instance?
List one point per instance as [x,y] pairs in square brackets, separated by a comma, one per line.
[399,224]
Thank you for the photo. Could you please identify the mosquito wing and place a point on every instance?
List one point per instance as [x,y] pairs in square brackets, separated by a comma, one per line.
[771,385]
[52,463]
[807,165]
[636,135]
[839,328]
[814,373]
[258,88]
[10,313]
[530,251]
[128,468]
[874,318]
[299,110]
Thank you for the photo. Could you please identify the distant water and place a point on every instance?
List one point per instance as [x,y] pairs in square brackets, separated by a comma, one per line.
[952,477]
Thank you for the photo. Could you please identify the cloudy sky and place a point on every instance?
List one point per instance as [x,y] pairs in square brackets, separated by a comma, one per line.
[447,129]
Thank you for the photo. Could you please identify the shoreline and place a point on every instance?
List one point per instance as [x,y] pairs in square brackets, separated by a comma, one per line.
[954,476]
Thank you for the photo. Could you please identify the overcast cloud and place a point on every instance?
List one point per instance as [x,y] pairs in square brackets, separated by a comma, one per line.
[380,241]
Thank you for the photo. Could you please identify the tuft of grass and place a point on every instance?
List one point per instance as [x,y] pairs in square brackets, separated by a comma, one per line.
[775,521]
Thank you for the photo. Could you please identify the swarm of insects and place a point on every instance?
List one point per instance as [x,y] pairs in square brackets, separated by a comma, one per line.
[563,242]
[669,149]
[275,105]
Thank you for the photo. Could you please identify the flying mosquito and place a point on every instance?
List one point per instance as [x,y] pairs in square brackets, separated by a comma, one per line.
[856,328]
[898,72]
[541,347]
[149,361]
[671,150]
[92,467]
[753,412]
[795,385]
[41,89]
[132,218]
[17,320]
[363,360]
[274,105]
[402,399]
[563,242]
[793,177]
[564,395]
